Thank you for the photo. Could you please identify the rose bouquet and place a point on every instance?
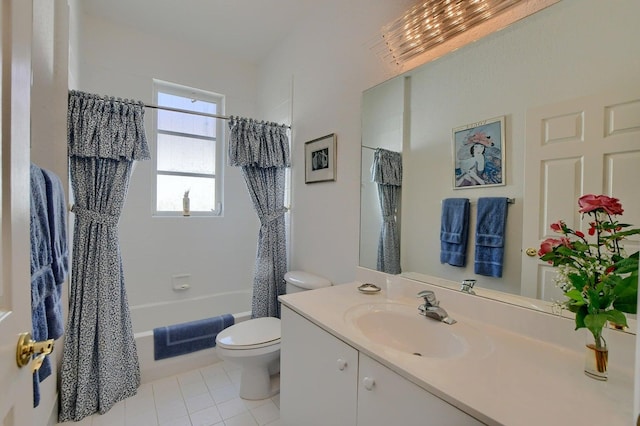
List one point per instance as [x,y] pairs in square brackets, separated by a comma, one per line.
[598,278]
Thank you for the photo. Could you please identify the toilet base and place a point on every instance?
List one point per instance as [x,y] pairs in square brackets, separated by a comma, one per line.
[257,384]
[257,367]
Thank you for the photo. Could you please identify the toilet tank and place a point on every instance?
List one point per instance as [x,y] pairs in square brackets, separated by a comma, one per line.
[301,281]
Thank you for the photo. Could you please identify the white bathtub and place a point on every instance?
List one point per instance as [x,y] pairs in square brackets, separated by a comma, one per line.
[146,317]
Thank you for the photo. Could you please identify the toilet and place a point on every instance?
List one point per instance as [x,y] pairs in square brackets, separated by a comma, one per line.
[255,344]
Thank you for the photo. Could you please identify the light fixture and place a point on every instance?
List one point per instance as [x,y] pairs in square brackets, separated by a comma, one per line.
[432,22]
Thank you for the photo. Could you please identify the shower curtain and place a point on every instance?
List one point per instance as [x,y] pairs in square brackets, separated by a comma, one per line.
[387,173]
[99,361]
[262,150]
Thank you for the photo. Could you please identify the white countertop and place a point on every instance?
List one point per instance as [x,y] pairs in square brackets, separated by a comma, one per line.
[518,381]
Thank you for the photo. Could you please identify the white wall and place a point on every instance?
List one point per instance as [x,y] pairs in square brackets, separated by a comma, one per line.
[219,253]
[330,61]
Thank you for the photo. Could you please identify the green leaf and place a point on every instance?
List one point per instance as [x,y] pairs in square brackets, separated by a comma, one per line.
[565,251]
[628,265]
[626,295]
[581,313]
[597,302]
[574,294]
[627,232]
[578,281]
[595,322]
[548,256]
[616,317]
[580,246]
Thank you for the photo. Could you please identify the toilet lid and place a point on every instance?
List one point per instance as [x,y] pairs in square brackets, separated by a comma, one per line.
[253,332]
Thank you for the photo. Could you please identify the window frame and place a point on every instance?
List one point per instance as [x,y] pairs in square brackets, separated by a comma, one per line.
[161,86]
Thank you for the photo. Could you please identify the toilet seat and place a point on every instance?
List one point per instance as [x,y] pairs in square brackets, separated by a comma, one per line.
[251,334]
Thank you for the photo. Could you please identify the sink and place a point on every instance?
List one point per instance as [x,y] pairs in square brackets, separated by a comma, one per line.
[400,328]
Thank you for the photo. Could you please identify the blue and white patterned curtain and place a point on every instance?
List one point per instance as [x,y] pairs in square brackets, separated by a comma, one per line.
[387,173]
[100,361]
[262,150]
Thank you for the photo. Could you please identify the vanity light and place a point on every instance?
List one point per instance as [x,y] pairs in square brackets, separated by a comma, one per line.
[433,22]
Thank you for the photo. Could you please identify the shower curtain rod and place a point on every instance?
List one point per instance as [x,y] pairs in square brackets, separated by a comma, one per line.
[204,114]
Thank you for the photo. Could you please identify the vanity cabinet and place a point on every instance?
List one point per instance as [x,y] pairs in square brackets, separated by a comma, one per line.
[386,398]
[318,375]
[325,382]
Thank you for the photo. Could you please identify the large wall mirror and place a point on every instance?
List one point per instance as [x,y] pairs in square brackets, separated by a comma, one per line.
[544,75]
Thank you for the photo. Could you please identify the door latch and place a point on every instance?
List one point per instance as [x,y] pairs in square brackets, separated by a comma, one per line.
[28,347]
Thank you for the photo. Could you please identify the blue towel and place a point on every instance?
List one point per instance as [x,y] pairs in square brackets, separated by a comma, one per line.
[454,231]
[57,218]
[42,280]
[490,229]
[49,262]
[188,337]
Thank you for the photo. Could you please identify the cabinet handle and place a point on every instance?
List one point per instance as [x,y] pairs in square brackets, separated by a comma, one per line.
[368,383]
[342,364]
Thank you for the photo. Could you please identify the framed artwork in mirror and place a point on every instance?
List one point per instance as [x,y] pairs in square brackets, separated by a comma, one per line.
[479,153]
[320,159]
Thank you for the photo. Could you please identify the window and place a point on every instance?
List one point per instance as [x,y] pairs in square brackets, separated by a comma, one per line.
[188,150]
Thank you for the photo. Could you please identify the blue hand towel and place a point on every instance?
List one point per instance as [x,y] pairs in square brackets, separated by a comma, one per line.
[454,231]
[188,337]
[490,236]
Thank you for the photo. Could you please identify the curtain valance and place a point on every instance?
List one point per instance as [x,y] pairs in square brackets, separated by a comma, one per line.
[387,167]
[106,127]
[259,144]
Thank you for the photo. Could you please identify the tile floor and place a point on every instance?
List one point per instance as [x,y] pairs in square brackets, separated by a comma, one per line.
[204,397]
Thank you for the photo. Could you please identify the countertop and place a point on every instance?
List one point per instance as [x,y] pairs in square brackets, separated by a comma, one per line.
[519,380]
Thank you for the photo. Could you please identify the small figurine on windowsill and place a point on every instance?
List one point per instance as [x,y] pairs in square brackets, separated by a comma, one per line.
[185,204]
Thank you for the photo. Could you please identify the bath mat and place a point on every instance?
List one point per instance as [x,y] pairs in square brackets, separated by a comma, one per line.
[180,339]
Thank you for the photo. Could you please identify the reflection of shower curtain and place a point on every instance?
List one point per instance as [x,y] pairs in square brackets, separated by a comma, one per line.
[387,173]
[99,360]
[262,150]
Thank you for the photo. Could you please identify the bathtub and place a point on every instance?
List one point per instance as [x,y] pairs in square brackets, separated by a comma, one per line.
[145,318]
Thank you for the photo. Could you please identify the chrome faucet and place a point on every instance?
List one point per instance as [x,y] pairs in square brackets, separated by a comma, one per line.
[431,308]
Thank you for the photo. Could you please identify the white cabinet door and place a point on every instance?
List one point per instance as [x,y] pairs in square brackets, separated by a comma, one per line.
[318,375]
[385,398]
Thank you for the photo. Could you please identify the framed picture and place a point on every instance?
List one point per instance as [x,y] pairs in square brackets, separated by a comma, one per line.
[320,159]
[478,154]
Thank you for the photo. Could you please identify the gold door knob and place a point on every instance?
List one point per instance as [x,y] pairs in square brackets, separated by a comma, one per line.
[531,252]
[28,347]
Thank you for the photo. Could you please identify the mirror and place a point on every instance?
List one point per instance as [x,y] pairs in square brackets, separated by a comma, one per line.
[559,54]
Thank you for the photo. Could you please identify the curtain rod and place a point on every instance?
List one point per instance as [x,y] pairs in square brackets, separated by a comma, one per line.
[204,114]
[375,149]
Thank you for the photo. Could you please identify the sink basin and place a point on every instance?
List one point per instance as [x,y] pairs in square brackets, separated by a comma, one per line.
[401,328]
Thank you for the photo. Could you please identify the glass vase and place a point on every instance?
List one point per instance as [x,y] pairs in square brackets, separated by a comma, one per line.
[596,357]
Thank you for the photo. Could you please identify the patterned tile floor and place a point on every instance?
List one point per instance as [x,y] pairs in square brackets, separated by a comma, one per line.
[204,397]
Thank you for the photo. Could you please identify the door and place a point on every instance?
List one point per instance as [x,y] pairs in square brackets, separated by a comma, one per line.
[16,392]
[589,145]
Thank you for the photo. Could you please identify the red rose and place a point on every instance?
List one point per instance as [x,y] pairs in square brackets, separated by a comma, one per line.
[557,227]
[592,230]
[580,234]
[590,202]
[566,242]
[548,245]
